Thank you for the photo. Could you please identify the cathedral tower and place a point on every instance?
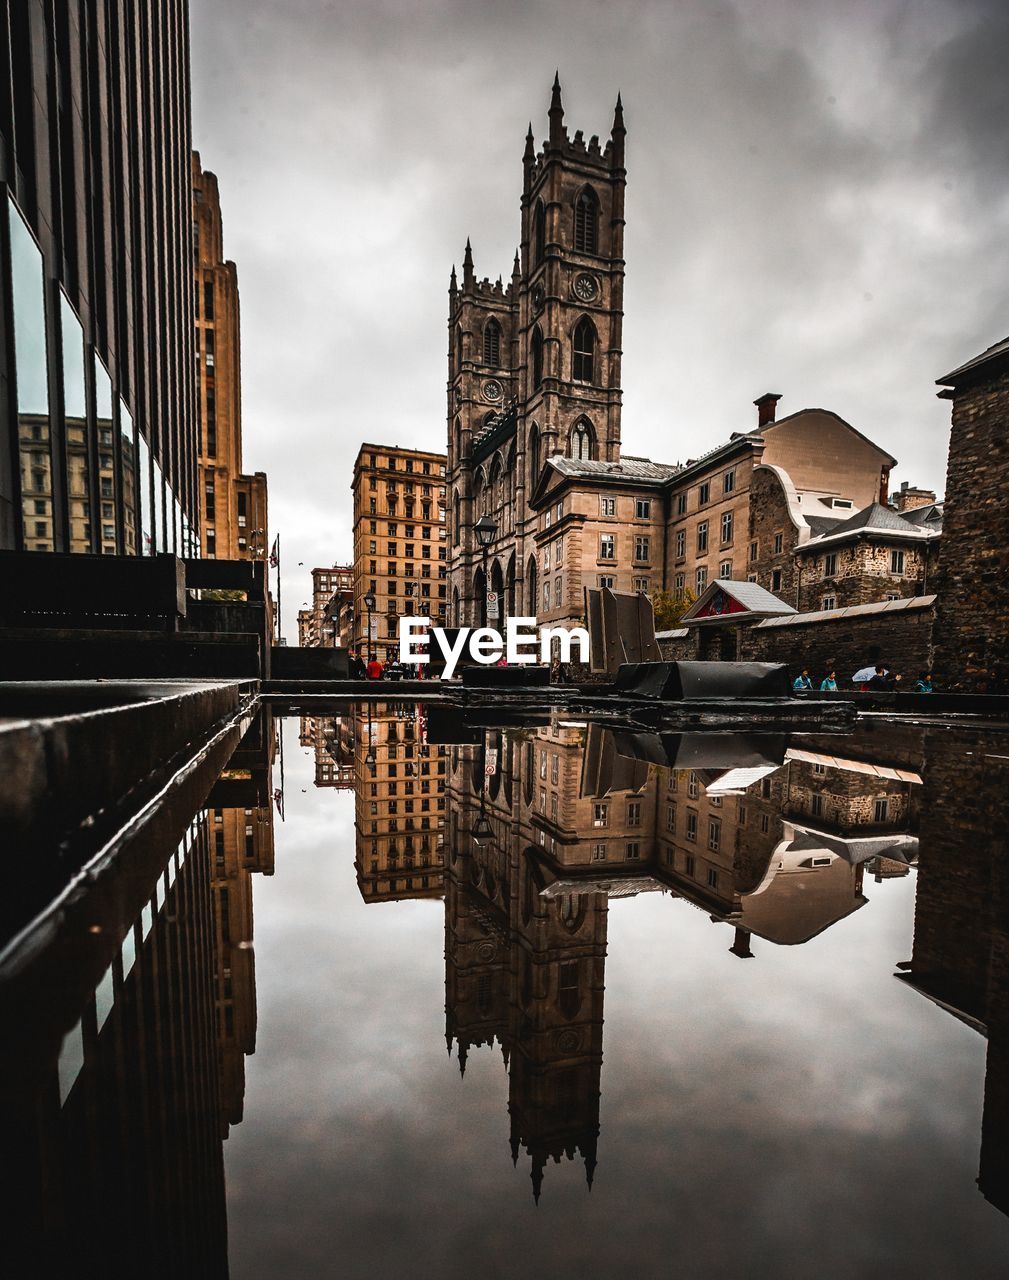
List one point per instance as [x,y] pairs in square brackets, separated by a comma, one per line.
[534,365]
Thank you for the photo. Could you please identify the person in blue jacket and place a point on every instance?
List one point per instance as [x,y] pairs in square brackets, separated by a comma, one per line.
[924,682]
[802,681]
[829,682]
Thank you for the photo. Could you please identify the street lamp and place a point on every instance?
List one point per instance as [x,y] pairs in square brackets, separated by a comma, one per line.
[486,531]
[369,600]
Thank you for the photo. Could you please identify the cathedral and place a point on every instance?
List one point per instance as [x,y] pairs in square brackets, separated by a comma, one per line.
[534,365]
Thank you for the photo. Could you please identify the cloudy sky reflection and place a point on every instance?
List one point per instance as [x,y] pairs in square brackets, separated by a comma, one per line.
[755,1114]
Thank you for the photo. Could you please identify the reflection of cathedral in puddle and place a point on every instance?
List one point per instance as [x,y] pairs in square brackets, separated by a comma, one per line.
[545,826]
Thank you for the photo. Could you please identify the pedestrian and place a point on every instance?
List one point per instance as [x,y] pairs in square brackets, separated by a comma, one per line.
[356,667]
[375,668]
[880,678]
[863,675]
[802,681]
[924,682]
[829,682]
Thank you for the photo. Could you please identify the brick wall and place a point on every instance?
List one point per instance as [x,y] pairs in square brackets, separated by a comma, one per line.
[972,620]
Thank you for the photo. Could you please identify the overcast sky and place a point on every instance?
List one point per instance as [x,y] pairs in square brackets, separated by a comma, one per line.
[817,204]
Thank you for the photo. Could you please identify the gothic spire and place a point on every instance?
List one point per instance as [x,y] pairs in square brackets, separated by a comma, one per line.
[468,275]
[556,113]
[618,134]
[618,117]
[530,150]
[516,266]
[453,284]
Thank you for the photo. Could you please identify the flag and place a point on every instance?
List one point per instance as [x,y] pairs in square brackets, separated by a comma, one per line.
[275,553]
[278,800]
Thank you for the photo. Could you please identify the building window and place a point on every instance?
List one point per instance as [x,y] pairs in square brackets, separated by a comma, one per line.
[679,584]
[633,849]
[681,543]
[558,593]
[881,809]
[829,602]
[607,546]
[729,481]
[816,806]
[643,509]
[681,504]
[753,552]
[606,580]
[714,833]
[670,817]
[897,563]
[634,813]
[537,358]
[688,864]
[776,580]
[712,878]
[691,825]
[583,348]
[779,542]
[598,853]
[701,578]
[726,527]
[586,221]
[581,441]
[600,815]
[641,584]
[702,537]
[830,565]
[607,506]
[492,343]
[642,548]
[725,570]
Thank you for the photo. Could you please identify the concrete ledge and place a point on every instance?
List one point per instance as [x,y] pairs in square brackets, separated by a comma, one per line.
[852,611]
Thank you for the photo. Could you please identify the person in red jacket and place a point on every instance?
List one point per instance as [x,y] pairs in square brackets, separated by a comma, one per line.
[375,668]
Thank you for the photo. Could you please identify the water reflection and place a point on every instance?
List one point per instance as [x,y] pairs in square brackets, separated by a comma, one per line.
[120,1093]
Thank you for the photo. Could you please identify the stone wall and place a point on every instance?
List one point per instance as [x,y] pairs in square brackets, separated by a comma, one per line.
[897,633]
[972,620]
[770,521]
[864,574]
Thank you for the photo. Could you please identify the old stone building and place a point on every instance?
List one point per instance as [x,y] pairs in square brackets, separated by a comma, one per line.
[329,621]
[233,503]
[534,433]
[400,543]
[971,640]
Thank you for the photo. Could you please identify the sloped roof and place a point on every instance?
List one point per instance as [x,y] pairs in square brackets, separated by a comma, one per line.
[752,598]
[994,352]
[930,516]
[874,518]
[629,468]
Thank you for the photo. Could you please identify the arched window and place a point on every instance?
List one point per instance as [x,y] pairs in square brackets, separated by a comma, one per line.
[583,351]
[458,347]
[539,231]
[587,221]
[533,452]
[456,522]
[458,440]
[581,441]
[492,343]
[537,358]
[494,483]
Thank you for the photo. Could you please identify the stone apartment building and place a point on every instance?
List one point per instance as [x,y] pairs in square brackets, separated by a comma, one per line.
[329,622]
[400,543]
[534,433]
[233,503]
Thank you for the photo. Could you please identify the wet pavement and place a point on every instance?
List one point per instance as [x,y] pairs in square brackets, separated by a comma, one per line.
[392,992]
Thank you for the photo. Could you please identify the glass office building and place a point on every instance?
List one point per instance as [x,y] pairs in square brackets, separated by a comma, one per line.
[98,427]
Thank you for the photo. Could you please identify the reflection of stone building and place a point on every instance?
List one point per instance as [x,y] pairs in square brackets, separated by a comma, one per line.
[961,923]
[241,843]
[332,740]
[233,504]
[400,553]
[399,803]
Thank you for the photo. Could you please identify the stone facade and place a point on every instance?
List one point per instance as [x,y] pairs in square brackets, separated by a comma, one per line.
[972,620]
[865,572]
[400,546]
[233,505]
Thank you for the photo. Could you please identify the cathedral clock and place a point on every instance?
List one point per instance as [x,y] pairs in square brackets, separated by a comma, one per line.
[585,288]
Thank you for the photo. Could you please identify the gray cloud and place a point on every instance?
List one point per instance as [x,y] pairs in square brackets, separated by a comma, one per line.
[817,204]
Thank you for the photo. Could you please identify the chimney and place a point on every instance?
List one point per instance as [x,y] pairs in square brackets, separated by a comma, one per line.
[909,497]
[767,405]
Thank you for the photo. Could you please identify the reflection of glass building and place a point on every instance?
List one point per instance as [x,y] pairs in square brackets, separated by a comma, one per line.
[96,281]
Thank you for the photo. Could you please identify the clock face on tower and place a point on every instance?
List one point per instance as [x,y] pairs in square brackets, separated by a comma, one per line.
[492,390]
[585,287]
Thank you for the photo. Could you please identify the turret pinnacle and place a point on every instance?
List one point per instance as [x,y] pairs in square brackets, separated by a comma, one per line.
[530,150]
[516,266]
[453,284]
[618,117]
[618,134]
[468,275]
[556,114]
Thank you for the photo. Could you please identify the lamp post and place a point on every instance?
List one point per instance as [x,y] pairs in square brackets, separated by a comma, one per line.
[369,600]
[486,531]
